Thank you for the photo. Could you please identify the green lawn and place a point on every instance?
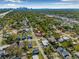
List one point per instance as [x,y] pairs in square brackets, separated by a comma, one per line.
[40,56]
[65,44]
[0,41]
[76,47]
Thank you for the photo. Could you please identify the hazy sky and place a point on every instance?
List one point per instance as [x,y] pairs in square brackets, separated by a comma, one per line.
[55,4]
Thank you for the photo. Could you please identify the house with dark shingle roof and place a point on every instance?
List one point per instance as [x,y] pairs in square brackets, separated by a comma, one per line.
[63,52]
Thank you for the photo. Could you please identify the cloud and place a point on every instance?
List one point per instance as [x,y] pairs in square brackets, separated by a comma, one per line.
[11,6]
[53,6]
[14,0]
[56,5]
[60,5]
[71,0]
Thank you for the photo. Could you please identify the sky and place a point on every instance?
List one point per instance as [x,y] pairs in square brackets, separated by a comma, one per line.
[36,4]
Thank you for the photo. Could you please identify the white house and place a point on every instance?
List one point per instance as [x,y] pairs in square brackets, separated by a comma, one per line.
[35,57]
[66,38]
[61,40]
[52,39]
[27,29]
[45,42]
[77,54]
[3,47]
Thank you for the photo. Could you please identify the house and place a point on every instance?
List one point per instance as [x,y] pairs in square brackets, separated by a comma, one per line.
[29,37]
[35,57]
[21,44]
[4,47]
[39,33]
[24,37]
[45,42]
[6,35]
[66,38]
[26,30]
[14,31]
[1,27]
[63,52]
[35,51]
[74,43]
[51,39]
[26,22]
[77,54]
[17,57]
[2,50]
[18,38]
[63,39]
[30,45]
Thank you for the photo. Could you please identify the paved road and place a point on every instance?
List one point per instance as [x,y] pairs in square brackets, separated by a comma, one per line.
[3,14]
[38,44]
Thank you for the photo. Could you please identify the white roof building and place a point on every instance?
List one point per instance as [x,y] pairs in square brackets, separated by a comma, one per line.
[52,39]
[77,54]
[45,42]
[35,57]
[61,40]
[3,47]
[66,38]
[27,29]
[2,51]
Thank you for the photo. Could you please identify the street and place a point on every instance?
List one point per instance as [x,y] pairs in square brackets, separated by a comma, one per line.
[38,44]
[3,14]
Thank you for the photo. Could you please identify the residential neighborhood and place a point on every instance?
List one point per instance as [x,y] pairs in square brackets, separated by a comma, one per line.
[27,33]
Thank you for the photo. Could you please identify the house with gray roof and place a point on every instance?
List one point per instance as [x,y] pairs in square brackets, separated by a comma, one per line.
[63,52]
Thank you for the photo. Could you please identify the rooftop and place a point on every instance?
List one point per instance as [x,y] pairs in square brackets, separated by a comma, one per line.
[45,42]
[77,53]
[35,57]
[63,52]
[3,47]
